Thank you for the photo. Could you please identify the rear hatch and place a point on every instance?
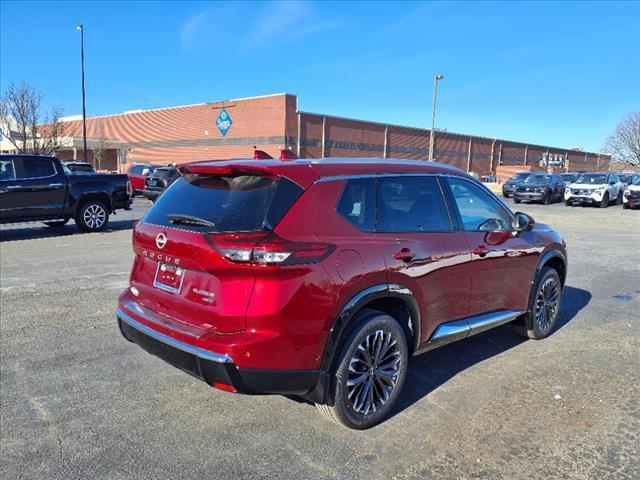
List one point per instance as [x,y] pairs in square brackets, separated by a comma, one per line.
[193,247]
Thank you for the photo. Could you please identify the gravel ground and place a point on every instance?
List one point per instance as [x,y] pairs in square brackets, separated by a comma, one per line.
[78,401]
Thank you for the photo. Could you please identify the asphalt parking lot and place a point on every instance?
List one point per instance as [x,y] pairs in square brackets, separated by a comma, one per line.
[78,401]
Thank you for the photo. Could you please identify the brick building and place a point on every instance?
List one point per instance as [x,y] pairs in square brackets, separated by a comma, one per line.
[231,128]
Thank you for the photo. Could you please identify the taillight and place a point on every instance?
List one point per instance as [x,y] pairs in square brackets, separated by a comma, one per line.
[129,189]
[268,249]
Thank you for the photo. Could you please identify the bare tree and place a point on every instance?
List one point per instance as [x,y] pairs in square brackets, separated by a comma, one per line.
[26,125]
[99,147]
[624,142]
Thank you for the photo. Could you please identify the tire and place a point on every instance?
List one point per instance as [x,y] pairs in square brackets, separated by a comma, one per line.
[625,206]
[544,306]
[57,224]
[516,200]
[605,201]
[619,198]
[93,216]
[547,199]
[568,203]
[369,401]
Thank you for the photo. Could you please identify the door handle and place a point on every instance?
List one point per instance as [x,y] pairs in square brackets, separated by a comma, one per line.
[480,250]
[405,254]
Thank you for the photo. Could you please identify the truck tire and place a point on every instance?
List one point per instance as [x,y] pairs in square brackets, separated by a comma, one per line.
[370,374]
[92,216]
[57,223]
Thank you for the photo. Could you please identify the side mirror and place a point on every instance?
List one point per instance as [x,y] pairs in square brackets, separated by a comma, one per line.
[612,183]
[522,222]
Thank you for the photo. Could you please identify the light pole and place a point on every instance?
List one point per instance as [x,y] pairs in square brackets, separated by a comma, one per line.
[84,104]
[433,113]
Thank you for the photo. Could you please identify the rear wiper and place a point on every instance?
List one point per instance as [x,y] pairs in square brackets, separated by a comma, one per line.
[189,220]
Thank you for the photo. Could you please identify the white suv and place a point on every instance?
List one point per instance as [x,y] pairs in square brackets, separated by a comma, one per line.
[594,189]
[632,193]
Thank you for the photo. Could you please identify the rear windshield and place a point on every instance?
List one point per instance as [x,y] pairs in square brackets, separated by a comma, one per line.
[228,203]
[163,172]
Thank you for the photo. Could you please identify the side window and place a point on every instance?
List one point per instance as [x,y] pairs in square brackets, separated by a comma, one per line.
[136,169]
[7,172]
[478,210]
[35,167]
[357,203]
[411,204]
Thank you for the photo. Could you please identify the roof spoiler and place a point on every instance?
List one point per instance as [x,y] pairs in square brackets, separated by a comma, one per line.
[287,155]
[260,154]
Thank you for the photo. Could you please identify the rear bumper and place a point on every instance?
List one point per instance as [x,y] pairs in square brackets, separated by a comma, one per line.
[215,368]
[151,194]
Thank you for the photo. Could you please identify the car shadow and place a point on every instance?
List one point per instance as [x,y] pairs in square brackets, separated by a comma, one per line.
[429,371]
[33,231]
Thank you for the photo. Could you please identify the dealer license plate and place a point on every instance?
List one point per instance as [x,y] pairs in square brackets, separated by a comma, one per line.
[169,278]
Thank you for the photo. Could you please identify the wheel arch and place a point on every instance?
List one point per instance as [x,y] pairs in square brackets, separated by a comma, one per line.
[553,259]
[87,197]
[393,299]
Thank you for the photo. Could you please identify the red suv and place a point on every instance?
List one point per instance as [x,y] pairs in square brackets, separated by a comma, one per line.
[321,278]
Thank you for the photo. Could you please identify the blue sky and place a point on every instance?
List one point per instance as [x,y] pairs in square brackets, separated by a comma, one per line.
[549,73]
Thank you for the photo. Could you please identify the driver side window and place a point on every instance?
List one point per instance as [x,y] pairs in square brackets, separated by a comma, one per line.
[478,211]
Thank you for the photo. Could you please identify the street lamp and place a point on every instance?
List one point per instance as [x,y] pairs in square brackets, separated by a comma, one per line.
[80,28]
[433,113]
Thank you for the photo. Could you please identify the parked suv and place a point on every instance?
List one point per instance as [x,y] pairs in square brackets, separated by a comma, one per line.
[594,189]
[138,173]
[539,187]
[159,180]
[509,186]
[631,195]
[321,278]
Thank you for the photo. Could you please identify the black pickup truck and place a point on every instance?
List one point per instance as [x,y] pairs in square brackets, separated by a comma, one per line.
[40,188]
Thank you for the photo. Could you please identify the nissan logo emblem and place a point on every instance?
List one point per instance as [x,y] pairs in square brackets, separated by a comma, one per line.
[161,240]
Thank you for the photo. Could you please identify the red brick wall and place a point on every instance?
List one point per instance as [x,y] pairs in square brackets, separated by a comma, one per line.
[189,133]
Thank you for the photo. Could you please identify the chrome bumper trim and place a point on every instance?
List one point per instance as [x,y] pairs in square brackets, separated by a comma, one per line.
[172,342]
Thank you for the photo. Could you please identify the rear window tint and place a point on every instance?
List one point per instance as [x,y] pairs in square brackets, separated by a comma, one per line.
[36,167]
[411,204]
[163,173]
[357,203]
[233,203]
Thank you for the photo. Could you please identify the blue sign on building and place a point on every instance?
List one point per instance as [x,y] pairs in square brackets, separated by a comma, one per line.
[224,122]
